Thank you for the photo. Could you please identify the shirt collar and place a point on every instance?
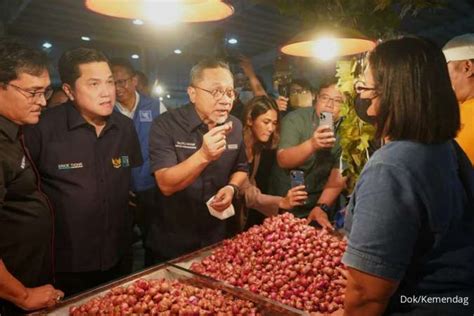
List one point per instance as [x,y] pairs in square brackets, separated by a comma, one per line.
[9,128]
[75,119]
[125,111]
[194,121]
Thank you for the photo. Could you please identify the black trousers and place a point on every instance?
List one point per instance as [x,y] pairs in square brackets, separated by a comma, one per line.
[147,202]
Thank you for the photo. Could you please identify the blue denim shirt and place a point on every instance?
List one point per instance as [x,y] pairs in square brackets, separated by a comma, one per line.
[409,220]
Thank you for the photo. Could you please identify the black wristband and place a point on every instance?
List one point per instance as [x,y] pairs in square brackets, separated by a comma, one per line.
[324,207]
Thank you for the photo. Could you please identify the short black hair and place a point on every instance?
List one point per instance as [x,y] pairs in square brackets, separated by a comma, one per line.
[17,58]
[417,101]
[124,63]
[303,83]
[206,63]
[326,82]
[70,61]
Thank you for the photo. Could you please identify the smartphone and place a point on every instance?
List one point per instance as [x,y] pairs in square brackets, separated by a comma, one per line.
[297,178]
[325,119]
[283,90]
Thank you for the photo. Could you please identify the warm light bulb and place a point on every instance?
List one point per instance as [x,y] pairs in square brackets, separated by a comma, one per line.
[325,48]
[158,90]
[164,12]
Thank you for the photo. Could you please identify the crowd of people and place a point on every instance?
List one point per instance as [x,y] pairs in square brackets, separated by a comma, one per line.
[105,156]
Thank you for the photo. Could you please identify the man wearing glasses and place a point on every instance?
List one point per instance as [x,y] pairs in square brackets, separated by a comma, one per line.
[307,145]
[26,219]
[196,152]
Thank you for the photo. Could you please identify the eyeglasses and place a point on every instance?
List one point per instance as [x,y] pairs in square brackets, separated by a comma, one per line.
[219,93]
[33,95]
[326,99]
[360,86]
[122,82]
[299,91]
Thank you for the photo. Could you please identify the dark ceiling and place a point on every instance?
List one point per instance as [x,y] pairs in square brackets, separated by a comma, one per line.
[259,29]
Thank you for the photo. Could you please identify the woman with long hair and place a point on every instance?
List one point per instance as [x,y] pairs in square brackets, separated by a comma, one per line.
[261,125]
[410,221]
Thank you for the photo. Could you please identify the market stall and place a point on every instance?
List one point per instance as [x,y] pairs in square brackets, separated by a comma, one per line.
[282,267]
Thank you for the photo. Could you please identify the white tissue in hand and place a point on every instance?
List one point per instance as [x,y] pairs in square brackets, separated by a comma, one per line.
[228,212]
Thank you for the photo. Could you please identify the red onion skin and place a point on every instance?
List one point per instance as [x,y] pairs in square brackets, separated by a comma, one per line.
[289,262]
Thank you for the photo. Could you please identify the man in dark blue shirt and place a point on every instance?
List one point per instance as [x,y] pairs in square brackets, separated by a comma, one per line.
[196,152]
[84,152]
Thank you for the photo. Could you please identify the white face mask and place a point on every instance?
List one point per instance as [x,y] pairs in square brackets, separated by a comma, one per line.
[245,96]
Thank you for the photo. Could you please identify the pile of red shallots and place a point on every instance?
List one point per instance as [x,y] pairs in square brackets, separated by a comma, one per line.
[165,298]
[284,260]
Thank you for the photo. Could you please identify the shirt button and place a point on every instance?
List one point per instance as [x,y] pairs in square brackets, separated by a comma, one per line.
[102,180]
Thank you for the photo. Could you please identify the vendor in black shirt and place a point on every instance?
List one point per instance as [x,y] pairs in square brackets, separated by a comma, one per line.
[194,158]
[26,220]
[84,152]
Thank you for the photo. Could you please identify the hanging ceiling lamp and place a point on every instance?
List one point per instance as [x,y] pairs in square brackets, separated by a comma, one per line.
[326,45]
[163,11]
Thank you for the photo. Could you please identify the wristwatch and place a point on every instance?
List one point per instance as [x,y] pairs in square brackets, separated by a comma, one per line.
[324,207]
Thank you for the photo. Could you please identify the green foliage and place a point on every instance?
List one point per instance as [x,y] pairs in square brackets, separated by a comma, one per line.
[354,133]
[374,18]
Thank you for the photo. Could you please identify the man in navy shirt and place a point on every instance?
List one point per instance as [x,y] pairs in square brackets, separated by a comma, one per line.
[142,110]
[196,152]
[84,152]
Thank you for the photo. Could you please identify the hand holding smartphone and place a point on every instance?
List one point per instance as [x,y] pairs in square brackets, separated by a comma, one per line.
[326,119]
[323,136]
[296,177]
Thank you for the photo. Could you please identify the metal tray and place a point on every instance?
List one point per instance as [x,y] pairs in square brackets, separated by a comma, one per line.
[170,271]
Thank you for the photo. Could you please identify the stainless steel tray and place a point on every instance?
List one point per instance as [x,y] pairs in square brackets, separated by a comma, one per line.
[170,271]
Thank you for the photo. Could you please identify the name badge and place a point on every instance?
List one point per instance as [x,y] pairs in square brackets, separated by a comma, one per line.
[185,145]
[145,116]
[232,146]
[69,166]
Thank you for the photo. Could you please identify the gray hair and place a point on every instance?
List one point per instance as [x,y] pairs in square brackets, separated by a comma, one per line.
[208,63]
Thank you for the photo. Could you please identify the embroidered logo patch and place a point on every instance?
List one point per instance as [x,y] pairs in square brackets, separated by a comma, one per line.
[120,162]
[125,162]
[69,166]
[145,116]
